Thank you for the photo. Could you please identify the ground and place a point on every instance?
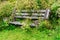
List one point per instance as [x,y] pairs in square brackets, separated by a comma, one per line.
[33,34]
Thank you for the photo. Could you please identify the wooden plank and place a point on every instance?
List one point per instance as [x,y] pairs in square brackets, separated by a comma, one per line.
[17,13]
[33,11]
[24,14]
[41,10]
[25,17]
[21,17]
[25,11]
[32,25]
[15,23]
[47,14]
[29,17]
[33,14]
[39,15]
[34,18]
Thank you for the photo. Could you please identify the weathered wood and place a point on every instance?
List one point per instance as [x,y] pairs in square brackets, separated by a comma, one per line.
[15,23]
[32,25]
[29,17]
[47,14]
[34,18]
[35,15]
[39,15]
[41,11]
[33,11]
[26,17]
[17,13]
[25,14]
[21,17]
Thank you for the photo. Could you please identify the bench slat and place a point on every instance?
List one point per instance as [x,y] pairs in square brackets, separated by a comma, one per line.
[32,25]
[28,17]
[40,15]
[15,23]
[33,11]
[25,14]
[34,18]
[23,17]
[47,14]
[33,14]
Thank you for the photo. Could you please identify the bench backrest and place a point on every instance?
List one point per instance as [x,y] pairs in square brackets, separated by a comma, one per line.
[36,13]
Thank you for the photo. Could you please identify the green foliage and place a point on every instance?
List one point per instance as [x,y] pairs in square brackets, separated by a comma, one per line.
[19,34]
[27,4]
[11,0]
[54,12]
[43,4]
[6,10]
[45,25]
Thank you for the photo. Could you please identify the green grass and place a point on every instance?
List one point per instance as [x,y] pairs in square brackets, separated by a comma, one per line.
[16,33]
[34,34]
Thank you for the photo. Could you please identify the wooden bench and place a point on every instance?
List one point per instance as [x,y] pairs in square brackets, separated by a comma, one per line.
[33,15]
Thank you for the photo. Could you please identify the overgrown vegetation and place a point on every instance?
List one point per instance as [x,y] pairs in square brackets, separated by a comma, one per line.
[46,30]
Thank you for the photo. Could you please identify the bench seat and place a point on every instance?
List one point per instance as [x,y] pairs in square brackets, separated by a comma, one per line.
[15,23]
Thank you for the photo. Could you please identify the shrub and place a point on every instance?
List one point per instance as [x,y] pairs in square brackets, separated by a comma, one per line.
[6,10]
[43,4]
[11,0]
[53,17]
[44,25]
[27,4]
